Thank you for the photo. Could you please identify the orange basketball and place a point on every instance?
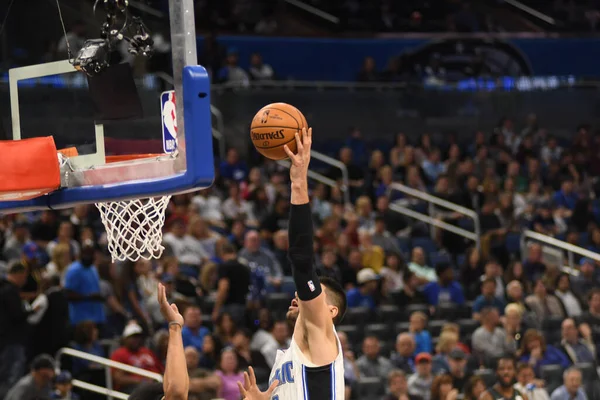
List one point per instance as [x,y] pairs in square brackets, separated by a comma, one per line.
[274,126]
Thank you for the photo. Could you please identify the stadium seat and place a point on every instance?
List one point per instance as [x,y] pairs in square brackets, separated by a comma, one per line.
[588,371]
[404,245]
[354,333]
[467,326]
[358,315]
[447,311]
[370,388]
[278,303]
[381,331]
[435,327]
[513,243]
[439,258]
[488,376]
[401,327]
[552,323]
[389,313]
[425,243]
[408,310]
[552,375]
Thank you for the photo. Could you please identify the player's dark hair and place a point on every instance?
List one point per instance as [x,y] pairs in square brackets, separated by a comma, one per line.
[337,296]
[148,391]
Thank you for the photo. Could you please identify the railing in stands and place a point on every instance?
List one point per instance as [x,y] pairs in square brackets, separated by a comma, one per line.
[314,11]
[568,247]
[108,364]
[217,133]
[531,11]
[325,180]
[431,219]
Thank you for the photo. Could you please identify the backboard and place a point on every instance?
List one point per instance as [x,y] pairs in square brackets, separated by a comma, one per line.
[112,161]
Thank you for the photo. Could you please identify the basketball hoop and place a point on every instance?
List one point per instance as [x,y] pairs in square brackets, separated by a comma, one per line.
[134,227]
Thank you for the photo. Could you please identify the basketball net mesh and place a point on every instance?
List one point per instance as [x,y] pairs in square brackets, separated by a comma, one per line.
[134,227]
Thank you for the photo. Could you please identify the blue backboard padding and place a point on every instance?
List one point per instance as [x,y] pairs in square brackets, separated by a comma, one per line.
[200,171]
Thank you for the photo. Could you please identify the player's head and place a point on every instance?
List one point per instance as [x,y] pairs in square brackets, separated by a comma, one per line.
[336,300]
[148,391]
[506,371]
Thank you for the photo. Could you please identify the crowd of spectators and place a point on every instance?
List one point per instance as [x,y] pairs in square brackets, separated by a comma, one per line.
[431,316]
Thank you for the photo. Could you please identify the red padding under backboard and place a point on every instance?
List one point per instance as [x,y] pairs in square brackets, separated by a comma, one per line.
[28,168]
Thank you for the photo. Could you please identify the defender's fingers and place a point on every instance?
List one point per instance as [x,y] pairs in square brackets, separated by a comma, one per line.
[272,387]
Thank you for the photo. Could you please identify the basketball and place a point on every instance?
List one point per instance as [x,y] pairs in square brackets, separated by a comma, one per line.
[274,126]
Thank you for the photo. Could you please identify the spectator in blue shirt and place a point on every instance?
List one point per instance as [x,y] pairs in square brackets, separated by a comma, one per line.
[418,328]
[363,295]
[433,166]
[566,198]
[193,333]
[535,352]
[446,289]
[487,299]
[571,388]
[82,283]
[232,168]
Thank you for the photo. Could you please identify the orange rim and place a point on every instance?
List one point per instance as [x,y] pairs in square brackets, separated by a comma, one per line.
[130,157]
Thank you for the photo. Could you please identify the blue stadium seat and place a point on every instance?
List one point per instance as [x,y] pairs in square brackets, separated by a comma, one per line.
[425,243]
[513,243]
[404,245]
[439,258]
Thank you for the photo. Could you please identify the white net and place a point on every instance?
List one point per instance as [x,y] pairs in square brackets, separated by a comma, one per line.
[134,227]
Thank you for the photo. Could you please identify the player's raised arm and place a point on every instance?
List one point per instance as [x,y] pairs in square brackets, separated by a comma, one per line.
[313,305]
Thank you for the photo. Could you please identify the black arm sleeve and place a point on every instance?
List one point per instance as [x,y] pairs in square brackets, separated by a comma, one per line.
[301,253]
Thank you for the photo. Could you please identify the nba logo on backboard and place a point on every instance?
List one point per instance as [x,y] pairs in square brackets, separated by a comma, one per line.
[169,121]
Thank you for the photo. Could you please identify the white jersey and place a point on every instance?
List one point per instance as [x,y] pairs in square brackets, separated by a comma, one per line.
[299,379]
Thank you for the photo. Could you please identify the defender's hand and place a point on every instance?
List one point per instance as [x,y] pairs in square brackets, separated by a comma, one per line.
[168,311]
[250,390]
[301,160]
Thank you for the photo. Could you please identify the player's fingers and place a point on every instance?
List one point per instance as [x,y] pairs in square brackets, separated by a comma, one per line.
[272,387]
[289,153]
[299,143]
[242,390]
[252,376]
[174,308]
[246,380]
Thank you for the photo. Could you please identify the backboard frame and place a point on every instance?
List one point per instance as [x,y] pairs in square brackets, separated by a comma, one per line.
[190,168]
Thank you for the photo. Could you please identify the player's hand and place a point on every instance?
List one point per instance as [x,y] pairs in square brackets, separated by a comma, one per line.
[168,311]
[250,390]
[300,160]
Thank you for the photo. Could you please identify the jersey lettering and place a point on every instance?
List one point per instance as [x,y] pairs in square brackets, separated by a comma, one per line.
[284,374]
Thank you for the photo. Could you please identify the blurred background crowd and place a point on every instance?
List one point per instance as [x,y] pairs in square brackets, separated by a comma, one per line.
[431,311]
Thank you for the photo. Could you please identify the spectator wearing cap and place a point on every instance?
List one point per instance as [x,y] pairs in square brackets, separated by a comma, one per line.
[446,289]
[193,332]
[134,353]
[37,384]
[82,284]
[418,265]
[13,327]
[419,384]
[232,287]
[457,363]
[487,299]
[403,357]
[587,278]
[17,238]
[63,387]
[372,364]
[364,294]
